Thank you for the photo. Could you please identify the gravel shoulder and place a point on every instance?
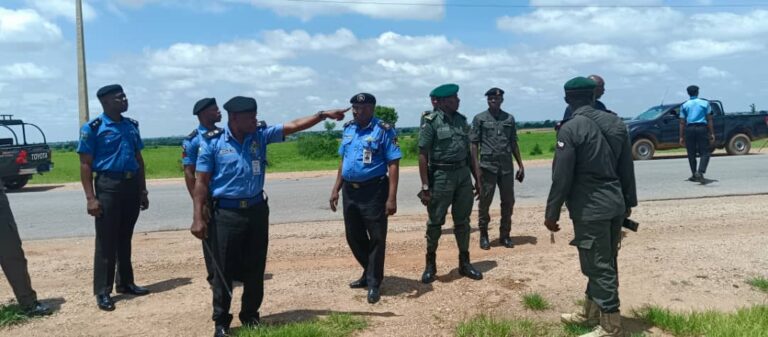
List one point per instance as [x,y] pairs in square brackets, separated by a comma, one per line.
[689,254]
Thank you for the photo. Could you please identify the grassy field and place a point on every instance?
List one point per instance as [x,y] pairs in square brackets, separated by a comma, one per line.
[165,161]
[11,314]
[746,322]
[335,325]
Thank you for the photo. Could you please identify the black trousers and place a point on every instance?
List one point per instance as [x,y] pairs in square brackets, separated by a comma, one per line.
[239,239]
[365,224]
[697,142]
[12,259]
[119,199]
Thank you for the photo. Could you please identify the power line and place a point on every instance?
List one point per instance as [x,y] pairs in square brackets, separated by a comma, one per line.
[468,5]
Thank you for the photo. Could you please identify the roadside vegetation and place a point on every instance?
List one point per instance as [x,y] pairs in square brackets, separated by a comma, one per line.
[746,322]
[535,302]
[11,314]
[335,325]
[759,283]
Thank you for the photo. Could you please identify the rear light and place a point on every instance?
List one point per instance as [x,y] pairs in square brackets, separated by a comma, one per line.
[21,159]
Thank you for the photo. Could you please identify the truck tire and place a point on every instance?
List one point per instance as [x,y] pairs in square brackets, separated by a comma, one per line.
[738,144]
[15,183]
[643,149]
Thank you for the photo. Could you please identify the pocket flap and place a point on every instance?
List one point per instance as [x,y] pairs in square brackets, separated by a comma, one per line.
[583,243]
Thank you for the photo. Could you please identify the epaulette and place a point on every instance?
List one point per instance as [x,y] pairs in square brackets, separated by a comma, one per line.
[94,124]
[133,121]
[192,135]
[348,123]
[262,125]
[213,133]
[384,125]
[428,115]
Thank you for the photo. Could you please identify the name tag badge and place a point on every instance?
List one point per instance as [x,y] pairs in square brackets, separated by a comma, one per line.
[367,156]
[256,167]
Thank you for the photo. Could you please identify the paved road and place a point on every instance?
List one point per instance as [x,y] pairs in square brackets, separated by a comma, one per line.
[52,213]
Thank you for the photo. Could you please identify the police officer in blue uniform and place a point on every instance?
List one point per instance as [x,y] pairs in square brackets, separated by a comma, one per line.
[110,146]
[697,132]
[208,114]
[231,164]
[368,152]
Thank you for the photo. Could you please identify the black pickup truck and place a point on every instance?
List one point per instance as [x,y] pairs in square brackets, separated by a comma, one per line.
[19,160]
[658,128]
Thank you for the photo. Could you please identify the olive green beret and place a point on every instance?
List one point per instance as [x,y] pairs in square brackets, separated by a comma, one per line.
[580,84]
[445,90]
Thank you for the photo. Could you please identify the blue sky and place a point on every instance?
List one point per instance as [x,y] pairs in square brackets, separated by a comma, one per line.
[296,57]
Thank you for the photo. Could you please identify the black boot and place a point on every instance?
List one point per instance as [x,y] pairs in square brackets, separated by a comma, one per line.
[430,271]
[484,243]
[506,241]
[466,269]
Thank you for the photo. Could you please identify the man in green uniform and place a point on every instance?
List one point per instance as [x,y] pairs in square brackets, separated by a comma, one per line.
[593,174]
[494,139]
[444,168]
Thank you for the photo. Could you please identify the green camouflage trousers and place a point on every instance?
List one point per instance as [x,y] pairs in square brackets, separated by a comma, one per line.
[598,244]
[450,189]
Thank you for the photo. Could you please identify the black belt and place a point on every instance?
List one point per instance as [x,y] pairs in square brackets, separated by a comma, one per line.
[362,184]
[239,203]
[697,124]
[447,166]
[118,174]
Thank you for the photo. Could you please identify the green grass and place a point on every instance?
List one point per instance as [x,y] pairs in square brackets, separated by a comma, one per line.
[534,301]
[335,325]
[11,315]
[485,326]
[165,161]
[745,322]
[760,283]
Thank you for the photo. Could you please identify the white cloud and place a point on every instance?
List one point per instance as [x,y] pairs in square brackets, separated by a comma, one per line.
[640,68]
[392,9]
[63,8]
[587,53]
[539,3]
[390,44]
[707,48]
[26,26]
[711,72]
[377,86]
[299,39]
[27,71]
[730,25]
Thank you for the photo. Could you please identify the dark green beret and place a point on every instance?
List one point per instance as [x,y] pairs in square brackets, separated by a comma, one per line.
[580,84]
[203,104]
[240,104]
[363,98]
[494,92]
[108,89]
[445,90]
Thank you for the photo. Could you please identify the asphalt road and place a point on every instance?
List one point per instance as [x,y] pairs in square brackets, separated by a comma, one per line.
[43,212]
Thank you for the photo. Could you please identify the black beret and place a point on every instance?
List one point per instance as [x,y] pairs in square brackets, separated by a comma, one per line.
[494,92]
[108,89]
[363,98]
[203,104]
[240,104]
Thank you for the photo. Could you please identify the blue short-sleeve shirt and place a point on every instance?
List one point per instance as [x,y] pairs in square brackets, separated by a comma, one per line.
[695,111]
[191,145]
[112,144]
[237,170]
[377,138]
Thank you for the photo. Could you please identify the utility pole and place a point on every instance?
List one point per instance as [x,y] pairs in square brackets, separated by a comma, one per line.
[82,82]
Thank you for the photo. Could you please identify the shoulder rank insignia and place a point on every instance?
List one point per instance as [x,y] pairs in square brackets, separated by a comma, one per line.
[213,133]
[132,121]
[384,125]
[95,124]
[192,135]
[348,123]
[428,115]
[262,125]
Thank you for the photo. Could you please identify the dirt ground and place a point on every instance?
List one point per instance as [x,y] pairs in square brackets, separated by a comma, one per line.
[689,254]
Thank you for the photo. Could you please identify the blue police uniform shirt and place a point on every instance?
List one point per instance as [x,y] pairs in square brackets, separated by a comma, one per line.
[112,144]
[695,111]
[237,171]
[382,144]
[191,145]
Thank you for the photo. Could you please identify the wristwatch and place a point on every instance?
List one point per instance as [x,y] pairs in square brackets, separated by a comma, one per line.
[425,187]
[320,114]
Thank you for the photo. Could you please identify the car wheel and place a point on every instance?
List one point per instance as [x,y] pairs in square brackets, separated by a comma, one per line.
[738,144]
[643,149]
[15,183]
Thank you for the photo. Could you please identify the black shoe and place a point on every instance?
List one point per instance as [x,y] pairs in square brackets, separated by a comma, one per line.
[104,301]
[699,177]
[359,283]
[693,178]
[466,269]
[430,271]
[220,331]
[484,243]
[507,242]
[133,290]
[38,309]
[373,295]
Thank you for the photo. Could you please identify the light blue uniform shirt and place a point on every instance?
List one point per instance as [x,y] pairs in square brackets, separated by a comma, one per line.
[380,141]
[237,171]
[695,110]
[191,145]
[113,145]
